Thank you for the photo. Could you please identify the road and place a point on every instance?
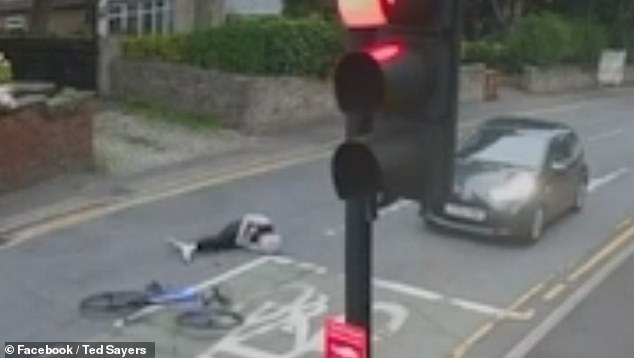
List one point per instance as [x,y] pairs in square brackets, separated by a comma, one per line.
[437,295]
[604,320]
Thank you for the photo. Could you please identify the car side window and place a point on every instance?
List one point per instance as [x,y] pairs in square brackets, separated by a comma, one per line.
[575,146]
[560,151]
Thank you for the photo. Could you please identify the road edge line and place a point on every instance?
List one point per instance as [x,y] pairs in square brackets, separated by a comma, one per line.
[526,345]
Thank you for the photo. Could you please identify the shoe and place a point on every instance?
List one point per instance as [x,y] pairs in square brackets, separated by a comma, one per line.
[186,249]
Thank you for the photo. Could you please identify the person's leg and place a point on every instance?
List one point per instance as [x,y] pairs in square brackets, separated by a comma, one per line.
[224,240]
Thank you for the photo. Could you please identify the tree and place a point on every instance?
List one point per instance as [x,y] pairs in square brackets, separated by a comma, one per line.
[507,12]
[40,12]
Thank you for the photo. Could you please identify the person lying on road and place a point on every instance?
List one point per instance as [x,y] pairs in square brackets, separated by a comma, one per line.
[252,232]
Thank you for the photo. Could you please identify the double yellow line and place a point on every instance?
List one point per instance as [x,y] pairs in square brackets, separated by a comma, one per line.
[77,216]
[625,236]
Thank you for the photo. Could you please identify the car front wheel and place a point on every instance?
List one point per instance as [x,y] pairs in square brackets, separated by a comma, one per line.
[534,227]
[581,194]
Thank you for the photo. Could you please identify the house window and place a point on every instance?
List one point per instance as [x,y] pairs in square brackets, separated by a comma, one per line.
[14,23]
[140,17]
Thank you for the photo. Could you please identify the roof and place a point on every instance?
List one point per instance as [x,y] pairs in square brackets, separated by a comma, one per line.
[527,123]
[25,5]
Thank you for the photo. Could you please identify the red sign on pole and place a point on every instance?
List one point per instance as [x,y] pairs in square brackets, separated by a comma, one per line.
[344,340]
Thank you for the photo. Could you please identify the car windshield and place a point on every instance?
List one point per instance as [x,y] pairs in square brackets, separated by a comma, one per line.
[505,146]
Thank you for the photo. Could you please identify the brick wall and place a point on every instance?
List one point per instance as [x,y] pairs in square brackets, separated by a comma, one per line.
[39,142]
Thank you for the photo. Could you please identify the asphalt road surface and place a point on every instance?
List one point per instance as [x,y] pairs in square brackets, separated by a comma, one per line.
[437,295]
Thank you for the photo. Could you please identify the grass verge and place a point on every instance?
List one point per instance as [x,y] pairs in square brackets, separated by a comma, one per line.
[166,114]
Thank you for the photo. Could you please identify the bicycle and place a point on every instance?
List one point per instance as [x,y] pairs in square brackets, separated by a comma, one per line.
[212,310]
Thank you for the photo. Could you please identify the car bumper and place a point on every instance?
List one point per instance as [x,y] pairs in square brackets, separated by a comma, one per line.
[482,229]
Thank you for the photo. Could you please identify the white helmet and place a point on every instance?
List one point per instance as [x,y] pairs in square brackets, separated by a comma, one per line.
[269,243]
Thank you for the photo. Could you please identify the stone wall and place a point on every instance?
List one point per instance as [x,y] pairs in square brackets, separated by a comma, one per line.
[629,74]
[38,142]
[254,104]
[560,79]
[557,79]
[472,82]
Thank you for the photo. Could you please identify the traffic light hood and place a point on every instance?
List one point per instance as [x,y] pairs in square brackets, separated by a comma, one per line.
[388,76]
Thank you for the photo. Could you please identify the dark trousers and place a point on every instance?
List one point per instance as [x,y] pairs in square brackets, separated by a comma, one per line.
[224,240]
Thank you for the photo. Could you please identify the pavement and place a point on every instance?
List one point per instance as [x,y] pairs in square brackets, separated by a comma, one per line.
[436,295]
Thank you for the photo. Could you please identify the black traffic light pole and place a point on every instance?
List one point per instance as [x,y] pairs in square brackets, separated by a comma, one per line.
[358,280]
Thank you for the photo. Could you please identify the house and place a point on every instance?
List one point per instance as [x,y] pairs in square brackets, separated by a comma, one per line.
[132,17]
[138,17]
[67,17]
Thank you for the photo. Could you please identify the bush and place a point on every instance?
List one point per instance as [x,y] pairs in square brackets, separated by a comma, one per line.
[540,39]
[5,69]
[492,53]
[274,46]
[294,47]
[301,8]
[548,39]
[167,48]
[588,40]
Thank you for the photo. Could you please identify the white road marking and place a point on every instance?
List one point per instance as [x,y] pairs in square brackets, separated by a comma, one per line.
[312,267]
[408,290]
[282,260]
[432,296]
[605,135]
[397,206]
[470,123]
[597,183]
[330,233]
[526,345]
[236,271]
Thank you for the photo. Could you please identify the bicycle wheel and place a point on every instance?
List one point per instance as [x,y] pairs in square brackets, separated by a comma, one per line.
[113,304]
[216,319]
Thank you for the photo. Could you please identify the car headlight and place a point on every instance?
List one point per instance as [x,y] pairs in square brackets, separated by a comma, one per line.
[522,187]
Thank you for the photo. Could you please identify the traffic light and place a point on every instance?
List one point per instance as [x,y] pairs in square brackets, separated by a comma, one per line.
[402,83]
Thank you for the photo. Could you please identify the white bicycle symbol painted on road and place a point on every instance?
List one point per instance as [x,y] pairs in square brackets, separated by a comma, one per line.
[296,319]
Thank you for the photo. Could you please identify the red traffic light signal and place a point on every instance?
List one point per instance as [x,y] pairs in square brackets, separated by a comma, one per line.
[362,13]
[359,14]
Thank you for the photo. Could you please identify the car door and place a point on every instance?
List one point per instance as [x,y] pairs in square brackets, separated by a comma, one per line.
[579,167]
[561,173]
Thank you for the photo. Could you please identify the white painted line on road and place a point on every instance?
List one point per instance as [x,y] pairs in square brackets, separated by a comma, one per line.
[427,295]
[330,233]
[408,290]
[605,135]
[560,108]
[597,183]
[490,310]
[281,260]
[396,207]
[529,342]
[228,275]
[312,267]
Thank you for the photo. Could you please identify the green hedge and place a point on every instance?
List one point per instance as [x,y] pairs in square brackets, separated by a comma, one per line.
[273,46]
[588,40]
[301,8]
[547,39]
[5,69]
[168,48]
[492,53]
